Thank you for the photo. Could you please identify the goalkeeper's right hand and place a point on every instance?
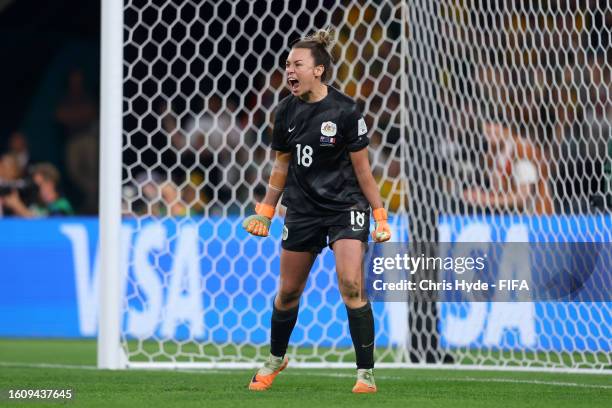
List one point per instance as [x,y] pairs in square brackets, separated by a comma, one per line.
[382,232]
[259,223]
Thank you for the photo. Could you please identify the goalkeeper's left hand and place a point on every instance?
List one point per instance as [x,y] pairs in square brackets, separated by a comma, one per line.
[382,232]
[259,223]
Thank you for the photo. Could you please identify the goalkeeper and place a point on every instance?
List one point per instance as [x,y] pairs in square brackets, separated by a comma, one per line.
[322,166]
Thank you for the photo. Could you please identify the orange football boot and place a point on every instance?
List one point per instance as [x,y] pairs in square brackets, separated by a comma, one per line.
[365,382]
[261,382]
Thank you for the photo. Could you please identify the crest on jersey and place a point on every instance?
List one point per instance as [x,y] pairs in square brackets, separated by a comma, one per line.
[328,128]
[362,128]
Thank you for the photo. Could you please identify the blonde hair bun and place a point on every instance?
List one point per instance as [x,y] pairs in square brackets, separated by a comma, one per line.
[324,36]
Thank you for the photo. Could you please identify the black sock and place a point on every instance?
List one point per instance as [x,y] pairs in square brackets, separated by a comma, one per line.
[361,325]
[282,324]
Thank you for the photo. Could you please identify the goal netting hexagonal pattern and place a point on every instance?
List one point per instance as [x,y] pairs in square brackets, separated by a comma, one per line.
[495,114]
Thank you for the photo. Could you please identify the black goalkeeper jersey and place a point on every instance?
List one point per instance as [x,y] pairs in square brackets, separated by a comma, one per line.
[320,136]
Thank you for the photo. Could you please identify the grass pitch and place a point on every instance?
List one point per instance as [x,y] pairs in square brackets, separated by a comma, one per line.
[61,364]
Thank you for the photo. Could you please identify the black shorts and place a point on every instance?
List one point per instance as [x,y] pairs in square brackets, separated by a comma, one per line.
[307,233]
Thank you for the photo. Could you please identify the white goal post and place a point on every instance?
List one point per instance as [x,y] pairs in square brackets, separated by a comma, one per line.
[111,128]
[488,121]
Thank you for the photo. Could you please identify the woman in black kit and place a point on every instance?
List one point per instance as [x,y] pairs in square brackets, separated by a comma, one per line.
[323,172]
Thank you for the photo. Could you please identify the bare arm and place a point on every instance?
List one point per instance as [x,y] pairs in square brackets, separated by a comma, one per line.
[278,178]
[259,224]
[361,166]
[13,201]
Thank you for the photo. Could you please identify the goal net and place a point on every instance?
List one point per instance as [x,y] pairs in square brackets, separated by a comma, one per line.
[488,121]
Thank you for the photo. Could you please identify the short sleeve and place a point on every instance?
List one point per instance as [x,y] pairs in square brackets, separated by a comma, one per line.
[279,133]
[355,131]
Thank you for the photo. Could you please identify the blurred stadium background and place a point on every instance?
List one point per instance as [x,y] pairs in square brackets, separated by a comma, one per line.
[489,121]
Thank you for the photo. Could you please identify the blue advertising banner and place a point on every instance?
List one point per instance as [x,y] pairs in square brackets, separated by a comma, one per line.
[206,279]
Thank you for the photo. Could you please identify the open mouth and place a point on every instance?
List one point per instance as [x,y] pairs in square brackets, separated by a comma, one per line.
[293,84]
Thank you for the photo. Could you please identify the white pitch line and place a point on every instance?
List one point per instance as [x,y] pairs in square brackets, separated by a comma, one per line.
[46,365]
[539,382]
[329,375]
[341,375]
[468,379]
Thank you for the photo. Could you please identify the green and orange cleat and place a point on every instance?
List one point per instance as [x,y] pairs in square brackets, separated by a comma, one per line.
[263,378]
[365,382]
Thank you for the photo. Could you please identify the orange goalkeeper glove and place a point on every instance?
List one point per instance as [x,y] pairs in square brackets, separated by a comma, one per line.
[382,232]
[259,223]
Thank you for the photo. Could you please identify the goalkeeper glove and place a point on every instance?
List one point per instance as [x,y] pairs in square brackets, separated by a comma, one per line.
[382,232]
[259,223]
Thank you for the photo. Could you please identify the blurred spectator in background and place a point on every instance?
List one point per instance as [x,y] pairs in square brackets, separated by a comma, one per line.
[10,169]
[171,203]
[392,185]
[10,175]
[140,196]
[193,193]
[184,145]
[18,146]
[77,112]
[151,195]
[48,200]
[218,130]
[582,144]
[516,175]
[82,168]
